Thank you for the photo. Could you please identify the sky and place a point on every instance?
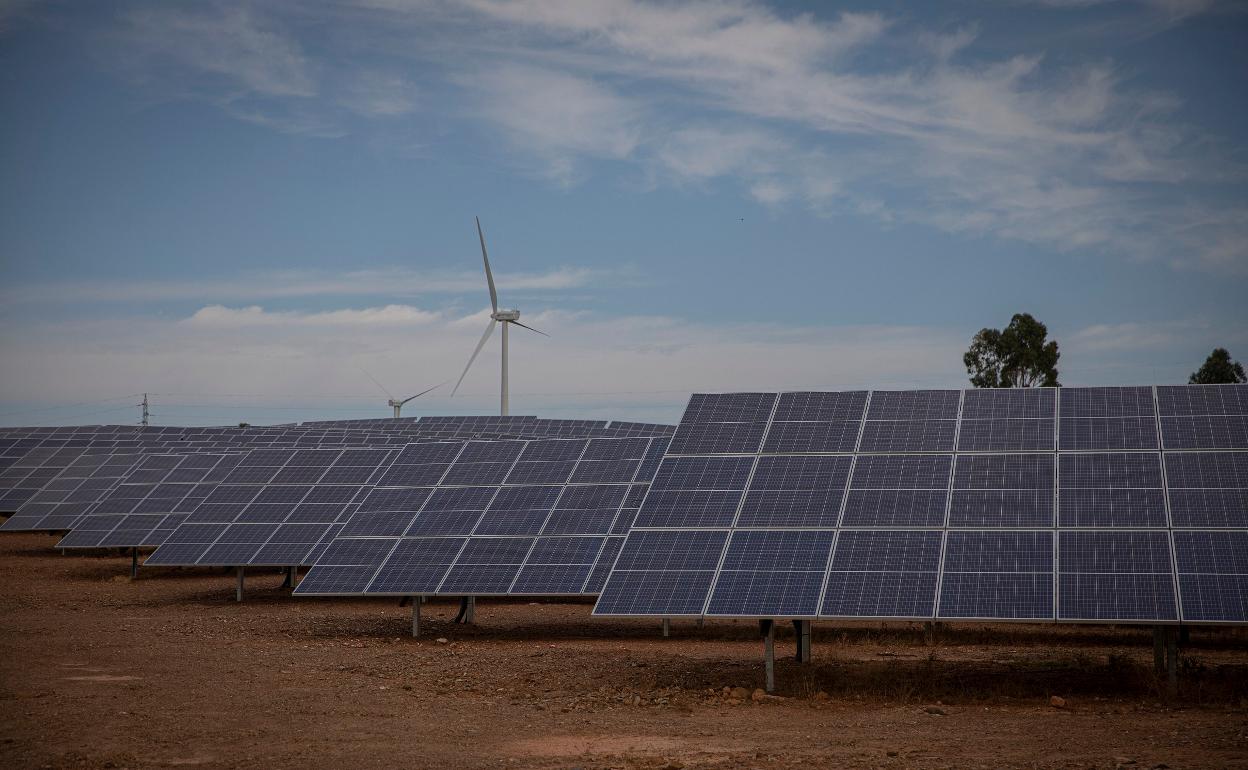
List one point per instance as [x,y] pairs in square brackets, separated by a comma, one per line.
[253,210]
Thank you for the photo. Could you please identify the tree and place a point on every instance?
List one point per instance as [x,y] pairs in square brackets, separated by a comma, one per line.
[1218,369]
[1014,357]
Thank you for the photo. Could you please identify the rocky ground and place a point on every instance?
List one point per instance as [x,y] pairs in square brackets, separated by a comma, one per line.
[97,670]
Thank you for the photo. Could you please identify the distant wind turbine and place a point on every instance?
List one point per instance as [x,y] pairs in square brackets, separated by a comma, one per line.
[505,317]
[394,402]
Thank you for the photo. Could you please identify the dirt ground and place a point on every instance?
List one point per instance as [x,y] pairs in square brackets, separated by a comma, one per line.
[97,670]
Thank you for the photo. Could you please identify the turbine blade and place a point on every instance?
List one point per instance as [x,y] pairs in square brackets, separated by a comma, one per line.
[530,328]
[472,358]
[421,393]
[374,379]
[489,277]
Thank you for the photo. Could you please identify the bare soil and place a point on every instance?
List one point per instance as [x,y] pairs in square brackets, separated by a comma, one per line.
[97,670]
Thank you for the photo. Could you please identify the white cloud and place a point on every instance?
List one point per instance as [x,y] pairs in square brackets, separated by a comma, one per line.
[558,116]
[843,113]
[219,316]
[392,282]
[227,41]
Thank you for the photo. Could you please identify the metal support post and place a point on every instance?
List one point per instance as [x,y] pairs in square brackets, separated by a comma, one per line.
[1159,650]
[238,593]
[667,627]
[415,619]
[1172,659]
[471,615]
[768,629]
[134,563]
[801,634]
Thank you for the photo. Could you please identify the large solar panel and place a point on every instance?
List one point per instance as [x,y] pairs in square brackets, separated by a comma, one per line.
[276,507]
[490,518]
[1203,416]
[150,501]
[1045,504]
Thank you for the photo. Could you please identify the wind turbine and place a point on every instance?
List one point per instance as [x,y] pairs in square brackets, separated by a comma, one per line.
[505,317]
[394,402]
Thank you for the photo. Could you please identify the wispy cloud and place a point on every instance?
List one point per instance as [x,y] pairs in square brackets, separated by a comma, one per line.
[654,360]
[394,282]
[856,113]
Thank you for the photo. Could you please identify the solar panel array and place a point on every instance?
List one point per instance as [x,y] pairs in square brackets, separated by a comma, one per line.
[38,456]
[1079,504]
[539,517]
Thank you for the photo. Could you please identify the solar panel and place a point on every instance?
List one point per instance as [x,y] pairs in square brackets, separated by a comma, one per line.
[1122,489]
[1213,575]
[1204,416]
[1107,418]
[1055,505]
[505,537]
[997,575]
[1003,490]
[1115,575]
[898,491]
[1208,489]
[276,507]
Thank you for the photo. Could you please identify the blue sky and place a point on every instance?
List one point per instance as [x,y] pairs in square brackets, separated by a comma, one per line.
[241,207]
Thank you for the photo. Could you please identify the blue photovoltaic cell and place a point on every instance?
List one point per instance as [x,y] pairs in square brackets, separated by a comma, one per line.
[1221,432]
[1208,489]
[728,407]
[891,574]
[696,492]
[1119,575]
[1107,402]
[776,574]
[997,575]
[898,491]
[1007,419]
[665,573]
[816,422]
[1107,418]
[908,436]
[606,560]
[1203,399]
[914,405]
[795,491]
[717,438]
[723,423]
[1002,490]
[1213,575]
[1122,489]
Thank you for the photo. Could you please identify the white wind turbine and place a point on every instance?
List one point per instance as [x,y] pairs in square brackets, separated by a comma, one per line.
[394,402]
[505,317]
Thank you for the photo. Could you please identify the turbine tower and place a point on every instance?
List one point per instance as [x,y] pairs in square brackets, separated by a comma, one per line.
[394,402]
[505,317]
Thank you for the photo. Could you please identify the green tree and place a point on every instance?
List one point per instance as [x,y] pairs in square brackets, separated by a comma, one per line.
[1017,356]
[1218,369]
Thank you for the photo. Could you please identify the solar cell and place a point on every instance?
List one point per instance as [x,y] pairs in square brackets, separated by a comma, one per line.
[1122,489]
[997,575]
[898,491]
[772,574]
[1002,490]
[1110,576]
[883,574]
[1208,489]
[1213,575]
[791,491]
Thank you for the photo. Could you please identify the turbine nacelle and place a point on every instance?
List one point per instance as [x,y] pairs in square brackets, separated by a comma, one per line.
[505,317]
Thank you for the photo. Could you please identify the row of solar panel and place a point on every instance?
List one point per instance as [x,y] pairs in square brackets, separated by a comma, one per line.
[1122,489]
[282,507]
[1105,576]
[1074,419]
